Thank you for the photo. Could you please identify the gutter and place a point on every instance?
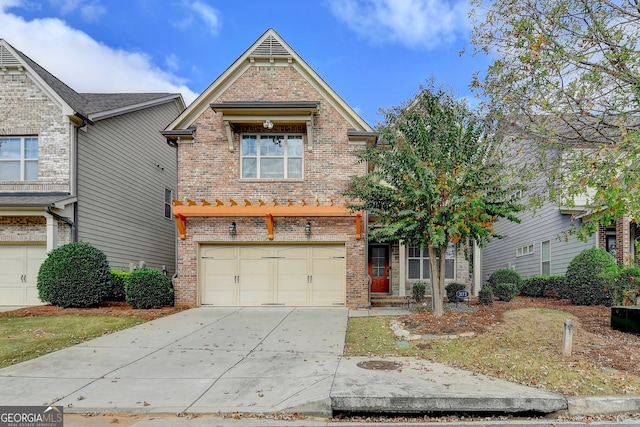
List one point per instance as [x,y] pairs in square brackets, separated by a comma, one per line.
[64,219]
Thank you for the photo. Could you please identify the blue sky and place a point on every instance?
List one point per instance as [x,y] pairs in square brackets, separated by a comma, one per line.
[373,53]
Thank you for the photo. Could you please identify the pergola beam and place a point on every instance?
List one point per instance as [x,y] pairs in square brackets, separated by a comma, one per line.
[182,212]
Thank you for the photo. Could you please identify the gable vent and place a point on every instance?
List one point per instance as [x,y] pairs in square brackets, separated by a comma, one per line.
[7,59]
[270,47]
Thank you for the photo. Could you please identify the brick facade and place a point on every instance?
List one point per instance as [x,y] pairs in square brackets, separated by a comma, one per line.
[209,170]
[26,110]
[625,234]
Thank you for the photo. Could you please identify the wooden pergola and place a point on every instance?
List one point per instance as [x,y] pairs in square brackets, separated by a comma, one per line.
[261,209]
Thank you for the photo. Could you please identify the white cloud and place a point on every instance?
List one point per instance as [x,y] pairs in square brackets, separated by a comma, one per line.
[208,14]
[413,23]
[83,63]
[92,11]
[197,10]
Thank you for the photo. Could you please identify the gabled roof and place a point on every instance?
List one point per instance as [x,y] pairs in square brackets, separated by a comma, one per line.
[269,47]
[93,106]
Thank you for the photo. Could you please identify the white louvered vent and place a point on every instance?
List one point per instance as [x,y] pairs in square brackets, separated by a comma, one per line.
[270,47]
[7,59]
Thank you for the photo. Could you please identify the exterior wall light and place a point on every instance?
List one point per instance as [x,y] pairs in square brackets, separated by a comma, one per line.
[307,229]
[232,229]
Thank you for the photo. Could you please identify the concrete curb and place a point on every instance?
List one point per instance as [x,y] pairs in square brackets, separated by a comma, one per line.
[602,405]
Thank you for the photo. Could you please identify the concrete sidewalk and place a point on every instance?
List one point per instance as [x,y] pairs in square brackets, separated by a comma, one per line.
[251,360]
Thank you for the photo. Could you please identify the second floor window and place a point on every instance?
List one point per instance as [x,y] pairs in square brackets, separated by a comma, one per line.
[271,156]
[19,158]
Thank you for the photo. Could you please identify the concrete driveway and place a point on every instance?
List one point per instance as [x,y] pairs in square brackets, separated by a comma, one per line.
[252,359]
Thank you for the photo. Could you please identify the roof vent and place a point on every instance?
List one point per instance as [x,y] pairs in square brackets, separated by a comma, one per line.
[270,47]
[7,59]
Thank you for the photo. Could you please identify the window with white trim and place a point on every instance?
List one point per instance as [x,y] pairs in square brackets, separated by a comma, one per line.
[19,158]
[271,156]
[545,257]
[524,250]
[418,266]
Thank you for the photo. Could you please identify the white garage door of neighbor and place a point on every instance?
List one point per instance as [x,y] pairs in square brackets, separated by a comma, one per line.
[19,267]
[252,275]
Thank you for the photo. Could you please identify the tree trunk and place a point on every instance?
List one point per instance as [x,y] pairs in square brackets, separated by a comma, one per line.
[437,264]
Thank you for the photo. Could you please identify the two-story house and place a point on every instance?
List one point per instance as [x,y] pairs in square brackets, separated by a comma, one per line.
[86,167]
[544,242]
[264,156]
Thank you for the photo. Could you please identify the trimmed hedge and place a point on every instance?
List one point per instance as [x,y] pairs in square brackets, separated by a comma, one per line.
[542,285]
[506,291]
[626,286]
[485,296]
[148,288]
[115,292]
[74,275]
[585,282]
[452,288]
[504,275]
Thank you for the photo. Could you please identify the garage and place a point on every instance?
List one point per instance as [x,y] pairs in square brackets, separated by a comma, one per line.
[254,275]
[19,265]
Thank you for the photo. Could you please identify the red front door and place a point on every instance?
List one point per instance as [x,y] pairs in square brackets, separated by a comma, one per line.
[379,268]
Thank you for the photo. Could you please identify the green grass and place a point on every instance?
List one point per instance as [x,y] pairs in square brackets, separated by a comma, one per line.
[25,338]
[525,348]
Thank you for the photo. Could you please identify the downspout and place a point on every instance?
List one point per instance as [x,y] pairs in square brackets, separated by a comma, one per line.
[74,173]
[64,219]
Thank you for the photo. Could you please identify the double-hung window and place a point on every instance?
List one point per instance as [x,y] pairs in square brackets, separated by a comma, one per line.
[545,257]
[19,158]
[419,267]
[271,156]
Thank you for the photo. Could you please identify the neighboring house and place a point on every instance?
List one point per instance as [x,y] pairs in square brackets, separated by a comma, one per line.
[80,167]
[264,155]
[544,241]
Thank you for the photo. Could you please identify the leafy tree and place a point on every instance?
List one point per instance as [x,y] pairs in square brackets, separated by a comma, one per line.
[437,177]
[568,72]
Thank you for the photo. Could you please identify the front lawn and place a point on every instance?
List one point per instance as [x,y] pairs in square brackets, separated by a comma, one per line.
[25,338]
[514,342]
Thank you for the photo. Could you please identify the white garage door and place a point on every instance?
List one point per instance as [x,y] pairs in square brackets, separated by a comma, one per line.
[310,275]
[19,267]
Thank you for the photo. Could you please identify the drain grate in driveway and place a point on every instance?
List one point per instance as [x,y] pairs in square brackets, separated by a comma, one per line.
[382,365]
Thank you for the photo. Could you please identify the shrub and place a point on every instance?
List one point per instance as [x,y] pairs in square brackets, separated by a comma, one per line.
[418,289]
[74,275]
[506,291]
[505,275]
[542,285]
[624,284]
[451,289]
[585,282]
[148,288]
[485,296]
[115,291]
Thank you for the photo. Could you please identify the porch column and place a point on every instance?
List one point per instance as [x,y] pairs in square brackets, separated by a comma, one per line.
[52,232]
[402,250]
[477,269]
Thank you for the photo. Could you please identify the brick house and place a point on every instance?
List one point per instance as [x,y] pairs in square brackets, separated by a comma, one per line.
[264,155]
[80,167]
